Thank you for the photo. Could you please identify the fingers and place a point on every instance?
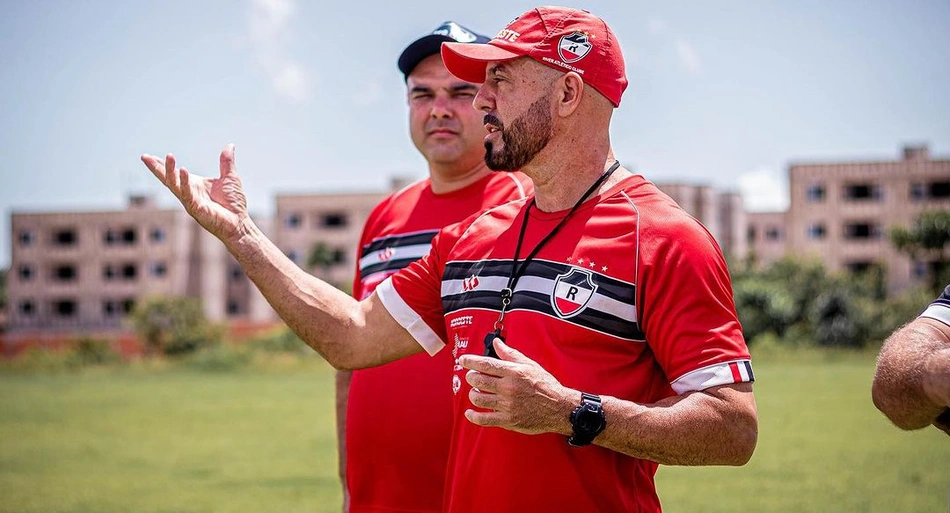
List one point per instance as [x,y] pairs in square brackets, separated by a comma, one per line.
[483,381]
[185,178]
[508,353]
[487,365]
[486,418]
[484,400]
[171,177]
[155,165]
[226,160]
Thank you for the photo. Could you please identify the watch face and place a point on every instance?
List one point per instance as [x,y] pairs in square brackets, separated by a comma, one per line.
[589,419]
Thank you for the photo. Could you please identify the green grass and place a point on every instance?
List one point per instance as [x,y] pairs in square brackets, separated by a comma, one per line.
[261,439]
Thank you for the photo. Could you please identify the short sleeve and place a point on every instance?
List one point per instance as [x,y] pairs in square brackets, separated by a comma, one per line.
[413,296]
[688,312]
[939,310]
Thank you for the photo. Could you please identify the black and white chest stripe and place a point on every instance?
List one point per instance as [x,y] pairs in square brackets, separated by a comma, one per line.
[609,308]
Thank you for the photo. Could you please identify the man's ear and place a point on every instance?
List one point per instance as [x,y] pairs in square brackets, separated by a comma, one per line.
[570,92]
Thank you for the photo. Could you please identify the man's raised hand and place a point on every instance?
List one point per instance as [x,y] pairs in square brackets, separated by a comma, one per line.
[218,204]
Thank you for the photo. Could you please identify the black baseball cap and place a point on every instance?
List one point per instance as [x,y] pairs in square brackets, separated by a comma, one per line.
[431,44]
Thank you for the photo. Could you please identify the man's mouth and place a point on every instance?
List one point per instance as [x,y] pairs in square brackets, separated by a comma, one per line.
[492,124]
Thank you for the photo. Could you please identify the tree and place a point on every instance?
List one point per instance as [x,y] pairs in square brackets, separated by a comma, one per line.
[322,256]
[174,326]
[928,238]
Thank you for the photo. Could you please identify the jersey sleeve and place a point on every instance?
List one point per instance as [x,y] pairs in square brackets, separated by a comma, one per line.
[413,296]
[688,312]
[939,310]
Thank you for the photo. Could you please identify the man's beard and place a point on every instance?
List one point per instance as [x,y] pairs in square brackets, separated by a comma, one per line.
[523,139]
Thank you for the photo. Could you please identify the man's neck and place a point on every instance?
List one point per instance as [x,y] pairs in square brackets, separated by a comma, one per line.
[446,179]
[561,180]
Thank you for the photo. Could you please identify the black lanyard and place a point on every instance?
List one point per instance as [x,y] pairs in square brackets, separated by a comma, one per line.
[517,271]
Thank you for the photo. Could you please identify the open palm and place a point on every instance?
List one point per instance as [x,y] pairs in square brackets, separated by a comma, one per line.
[218,204]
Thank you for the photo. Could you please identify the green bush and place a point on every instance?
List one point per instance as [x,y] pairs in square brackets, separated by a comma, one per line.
[801,304]
[280,340]
[91,351]
[174,326]
[218,358]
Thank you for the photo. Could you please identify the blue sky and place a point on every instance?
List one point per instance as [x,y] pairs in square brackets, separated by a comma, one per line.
[721,92]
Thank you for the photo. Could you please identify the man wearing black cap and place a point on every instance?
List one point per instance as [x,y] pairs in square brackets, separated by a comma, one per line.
[399,464]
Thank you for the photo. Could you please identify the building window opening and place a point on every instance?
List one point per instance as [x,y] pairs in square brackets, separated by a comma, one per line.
[292,221]
[129,272]
[815,193]
[159,269]
[27,238]
[157,235]
[27,308]
[817,231]
[65,308]
[860,192]
[859,266]
[773,233]
[335,220]
[939,190]
[65,237]
[26,272]
[65,273]
[862,231]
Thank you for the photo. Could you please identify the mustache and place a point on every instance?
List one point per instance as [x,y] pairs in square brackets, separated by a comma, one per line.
[490,119]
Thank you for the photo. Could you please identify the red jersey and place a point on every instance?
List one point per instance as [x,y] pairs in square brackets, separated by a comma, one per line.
[631,298]
[395,457]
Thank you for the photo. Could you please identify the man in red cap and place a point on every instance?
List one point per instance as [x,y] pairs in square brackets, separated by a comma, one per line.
[399,466]
[592,326]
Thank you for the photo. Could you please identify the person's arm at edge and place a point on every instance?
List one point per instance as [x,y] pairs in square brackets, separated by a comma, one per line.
[912,381]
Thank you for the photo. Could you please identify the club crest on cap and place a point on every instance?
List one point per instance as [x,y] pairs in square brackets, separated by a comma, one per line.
[573,47]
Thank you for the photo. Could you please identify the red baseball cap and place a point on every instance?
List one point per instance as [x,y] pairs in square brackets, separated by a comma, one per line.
[559,37]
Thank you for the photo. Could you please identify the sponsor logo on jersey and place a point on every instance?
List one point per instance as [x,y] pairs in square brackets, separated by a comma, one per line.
[386,254]
[572,292]
[456,384]
[573,47]
[470,283]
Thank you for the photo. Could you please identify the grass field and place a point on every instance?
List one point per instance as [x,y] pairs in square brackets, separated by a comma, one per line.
[174,439]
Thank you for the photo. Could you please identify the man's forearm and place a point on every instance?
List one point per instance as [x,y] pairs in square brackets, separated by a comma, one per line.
[717,426]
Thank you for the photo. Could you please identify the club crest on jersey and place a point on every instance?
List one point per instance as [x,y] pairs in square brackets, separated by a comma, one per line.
[573,47]
[572,292]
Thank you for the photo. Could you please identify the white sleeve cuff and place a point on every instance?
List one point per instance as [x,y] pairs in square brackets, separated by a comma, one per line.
[408,318]
[726,373]
[938,312]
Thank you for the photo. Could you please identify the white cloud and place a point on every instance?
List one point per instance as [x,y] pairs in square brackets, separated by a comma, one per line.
[764,190]
[657,26]
[689,57]
[270,33]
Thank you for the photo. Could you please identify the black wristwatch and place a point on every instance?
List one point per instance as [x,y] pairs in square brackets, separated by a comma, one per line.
[588,420]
